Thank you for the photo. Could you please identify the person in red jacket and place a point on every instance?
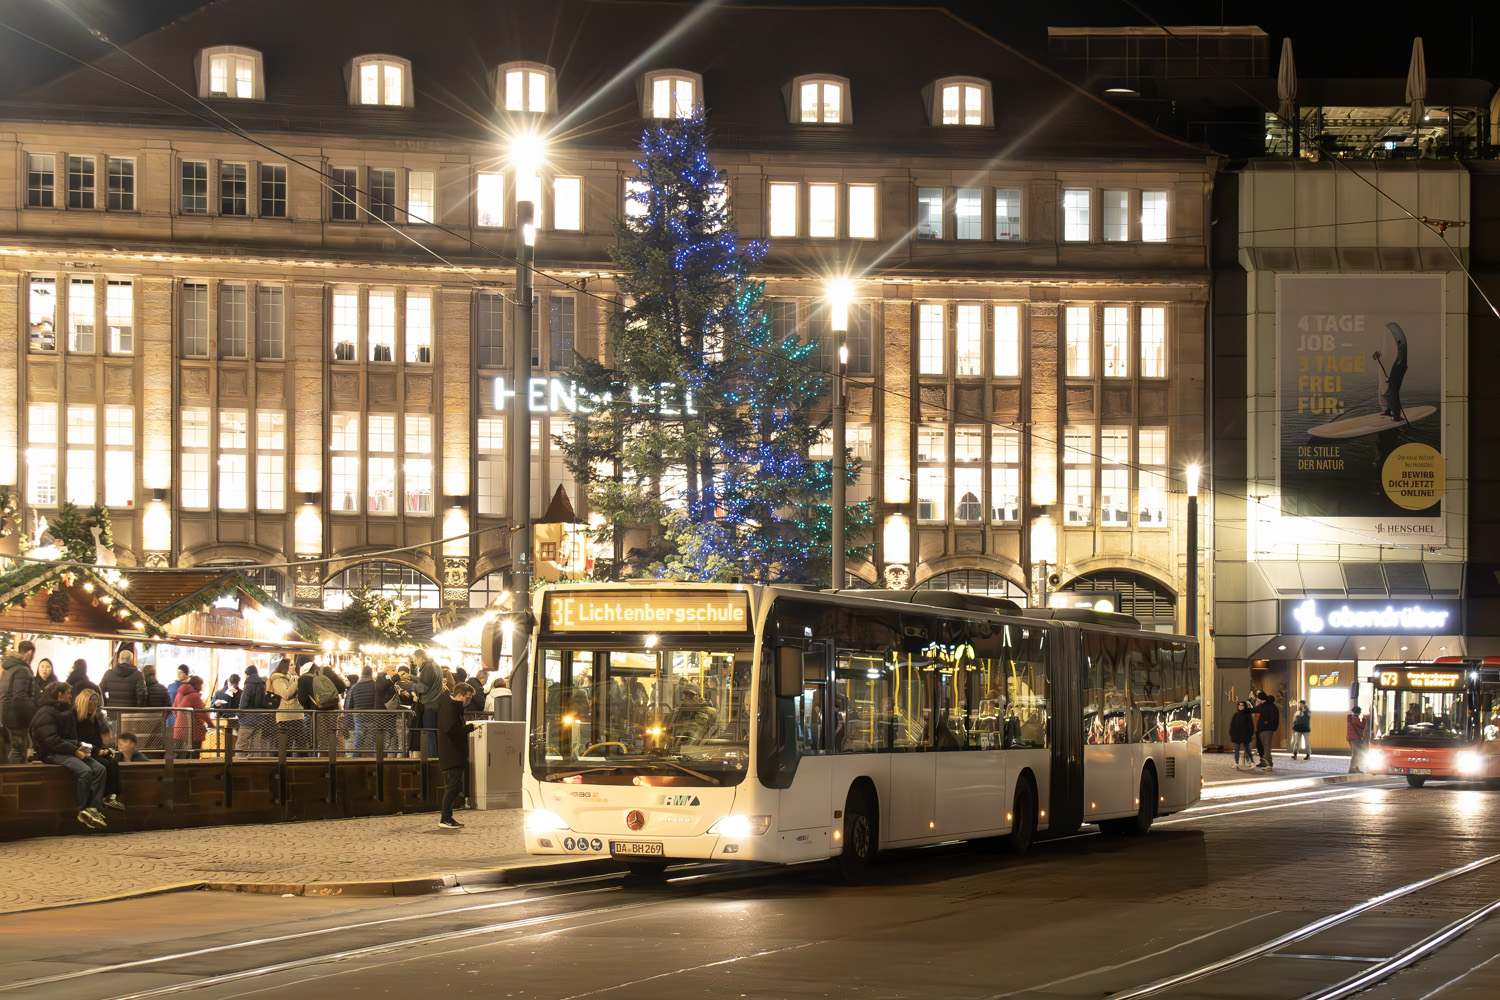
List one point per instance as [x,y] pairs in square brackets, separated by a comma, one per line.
[190,727]
[1354,732]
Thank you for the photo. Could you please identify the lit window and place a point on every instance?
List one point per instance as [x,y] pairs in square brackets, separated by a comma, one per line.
[968,330]
[1007,214]
[194,190]
[672,94]
[381,468]
[930,339]
[343,446]
[233,320]
[419,326]
[270,460]
[344,194]
[421,199]
[1008,341]
[345,324]
[967,210]
[1153,216]
[527,87]
[1116,207]
[43,314]
[1154,341]
[489,193]
[1005,475]
[1116,341]
[561,323]
[1079,335]
[783,210]
[121,184]
[822,210]
[932,492]
[567,203]
[381,325]
[417,464]
[119,456]
[80,182]
[273,190]
[962,102]
[234,459]
[861,339]
[41,454]
[231,72]
[489,443]
[41,180]
[1114,475]
[968,443]
[932,443]
[930,213]
[862,211]
[968,484]
[490,313]
[637,198]
[1078,475]
[1076,214]
[83,477]
[119,317]
[821,102]
[382,188]
[270,323]
[194,320]
[193,488]
[234,189]
[381,80]
[1152,459]
[81,315]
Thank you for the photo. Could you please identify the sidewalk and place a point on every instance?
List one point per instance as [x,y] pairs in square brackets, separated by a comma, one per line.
[1219,767]
[292,857]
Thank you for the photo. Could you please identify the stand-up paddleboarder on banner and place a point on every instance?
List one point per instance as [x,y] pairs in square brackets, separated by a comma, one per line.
[1392,414]
[1391,398]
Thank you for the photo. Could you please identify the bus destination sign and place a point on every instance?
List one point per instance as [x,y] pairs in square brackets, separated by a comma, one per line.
[648,611]
[1426,680]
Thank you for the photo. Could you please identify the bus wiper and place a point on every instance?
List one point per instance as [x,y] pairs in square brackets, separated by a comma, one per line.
[624,765]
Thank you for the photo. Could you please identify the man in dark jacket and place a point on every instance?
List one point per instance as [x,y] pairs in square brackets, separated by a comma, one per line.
[157,695]
[78,679]
[360,699]
[253,725]
[54,733]
[17,700]
[123,686]
[453,748]
[1268,721]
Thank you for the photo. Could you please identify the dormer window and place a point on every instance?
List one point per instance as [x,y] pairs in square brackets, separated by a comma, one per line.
[527,87]
[820,100]
[672,93]
[231,72]
[380,80]
[961,101]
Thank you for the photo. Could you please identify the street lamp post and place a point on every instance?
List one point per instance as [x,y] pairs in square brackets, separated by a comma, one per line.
[838,303]
[1043,556]
[1192,550]
[520,435]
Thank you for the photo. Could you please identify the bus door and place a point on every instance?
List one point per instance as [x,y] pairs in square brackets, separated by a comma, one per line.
[805,804]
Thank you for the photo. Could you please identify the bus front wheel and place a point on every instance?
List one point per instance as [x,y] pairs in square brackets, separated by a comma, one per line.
[859,836]
[1416,780]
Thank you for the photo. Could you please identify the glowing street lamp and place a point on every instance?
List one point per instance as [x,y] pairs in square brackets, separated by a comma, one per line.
[839,292]
[1191,603]
[1043,555]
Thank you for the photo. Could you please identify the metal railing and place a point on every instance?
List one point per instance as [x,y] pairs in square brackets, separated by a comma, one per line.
[196,734]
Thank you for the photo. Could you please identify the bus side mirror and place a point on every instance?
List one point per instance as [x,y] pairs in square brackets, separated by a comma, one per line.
[788,671]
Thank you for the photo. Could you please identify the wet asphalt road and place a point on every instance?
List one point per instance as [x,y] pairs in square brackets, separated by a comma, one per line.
[1088,916]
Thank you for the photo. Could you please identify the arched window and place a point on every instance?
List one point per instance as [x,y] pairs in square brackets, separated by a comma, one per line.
[961,100]
[526,86]
[488,589]
[386,579]
[232,72]
[969,507]
[1129,593]
[820,100]
[272,581]
[380,80]
[671,93]
[974,581]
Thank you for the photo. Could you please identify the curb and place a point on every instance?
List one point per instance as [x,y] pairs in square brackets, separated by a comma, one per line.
[1312,779]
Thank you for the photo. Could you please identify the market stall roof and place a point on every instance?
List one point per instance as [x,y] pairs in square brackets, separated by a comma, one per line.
[190,592]
[73,599]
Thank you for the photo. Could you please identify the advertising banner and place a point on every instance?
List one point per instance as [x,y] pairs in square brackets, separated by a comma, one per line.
[1360,398]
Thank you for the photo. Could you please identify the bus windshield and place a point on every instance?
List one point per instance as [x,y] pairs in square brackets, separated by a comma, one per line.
[1430,717]
[659,716]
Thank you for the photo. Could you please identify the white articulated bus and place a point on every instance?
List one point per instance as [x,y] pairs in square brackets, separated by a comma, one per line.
[728,722]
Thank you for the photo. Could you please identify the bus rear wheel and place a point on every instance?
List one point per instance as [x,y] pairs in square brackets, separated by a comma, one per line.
[1023,826]
[859,836]
[1145,813]
[1416,780]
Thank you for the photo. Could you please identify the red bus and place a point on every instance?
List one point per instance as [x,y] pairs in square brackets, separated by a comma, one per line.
[1438,720]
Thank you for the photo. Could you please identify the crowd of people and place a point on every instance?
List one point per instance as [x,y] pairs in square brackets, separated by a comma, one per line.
[91,729]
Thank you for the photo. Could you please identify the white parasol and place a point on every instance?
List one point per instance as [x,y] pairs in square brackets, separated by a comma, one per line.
[1286,84]
[1416,83]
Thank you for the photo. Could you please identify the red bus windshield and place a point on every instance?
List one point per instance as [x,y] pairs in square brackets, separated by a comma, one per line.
[1428,717]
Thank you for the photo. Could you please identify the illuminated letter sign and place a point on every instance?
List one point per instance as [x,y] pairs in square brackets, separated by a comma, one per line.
[560,395]
[1426,680]
[648,611]
[1410,617]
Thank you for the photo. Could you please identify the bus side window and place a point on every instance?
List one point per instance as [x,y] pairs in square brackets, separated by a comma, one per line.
[814,716]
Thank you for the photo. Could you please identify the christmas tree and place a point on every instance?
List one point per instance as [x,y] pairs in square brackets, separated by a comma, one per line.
[697,446]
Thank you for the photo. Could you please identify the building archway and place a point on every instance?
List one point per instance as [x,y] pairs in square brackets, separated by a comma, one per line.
[385,579]
[1131,593]
[975,581]
[272,581]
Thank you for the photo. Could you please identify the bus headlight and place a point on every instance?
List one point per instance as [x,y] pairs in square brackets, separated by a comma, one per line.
[1469,762]
[1374,759]
[741,826]
[544,821]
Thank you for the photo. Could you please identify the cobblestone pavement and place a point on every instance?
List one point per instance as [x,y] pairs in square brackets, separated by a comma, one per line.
[1220,767]
[51,870]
